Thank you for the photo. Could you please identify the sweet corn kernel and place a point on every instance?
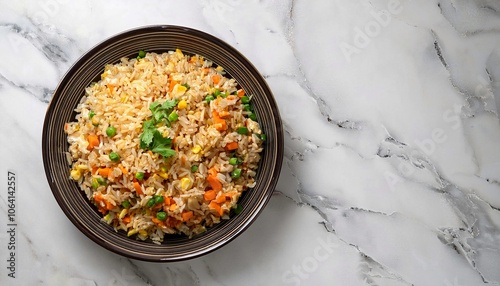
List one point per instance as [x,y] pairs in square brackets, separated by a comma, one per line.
[182,104]
[181,89]
[142,232]
[185,183]
[132,232]
[219,68]
[124,99]
[95,121]
[179,52]
[82,167]
[178,90]
[164,175]
[123,213]
[165,134]
[196,149]
[75,175]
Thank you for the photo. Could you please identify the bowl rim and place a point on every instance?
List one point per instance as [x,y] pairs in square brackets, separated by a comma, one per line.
[56,96]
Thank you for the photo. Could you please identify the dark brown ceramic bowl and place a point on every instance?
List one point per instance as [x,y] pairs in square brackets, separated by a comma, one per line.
[88,69]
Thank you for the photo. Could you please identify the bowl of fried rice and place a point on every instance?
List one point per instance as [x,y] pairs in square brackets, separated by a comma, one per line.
[162,143]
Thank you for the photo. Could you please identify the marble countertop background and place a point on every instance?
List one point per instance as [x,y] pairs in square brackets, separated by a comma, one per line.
[391,173]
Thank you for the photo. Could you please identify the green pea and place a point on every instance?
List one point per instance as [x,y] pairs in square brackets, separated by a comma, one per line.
[139,176]
[263,137]
[159,199]
[238,209]
[101,181]
[126,204]
[242,130]
[111,131]
[252,116]
[151,202]
[245,99]
[91,114]
[142,54]
[113,156]
[194,168]
[217,93]
[161,215]
[247,107]
[236,173]
[233,161]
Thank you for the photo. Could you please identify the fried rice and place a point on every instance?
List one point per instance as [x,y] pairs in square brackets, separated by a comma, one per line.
[164,144]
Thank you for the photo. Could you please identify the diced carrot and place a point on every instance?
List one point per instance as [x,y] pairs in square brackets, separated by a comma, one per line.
[138,188]
[216,79]
[109,205]
[221,199]
[231,146]
[111,87]
[123,169]
[214,183]
[215,206]
[93,142]
[230,97]
[219,123]
[240,93]
[104,172]
[127,219]
[172,83]
[167,200]
[212,171]
[98,197]
[206,70]
[209,195]
[186,215]
[102,202]
[94,169]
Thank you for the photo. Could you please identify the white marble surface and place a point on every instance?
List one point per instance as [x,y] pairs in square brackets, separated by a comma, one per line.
[391,173]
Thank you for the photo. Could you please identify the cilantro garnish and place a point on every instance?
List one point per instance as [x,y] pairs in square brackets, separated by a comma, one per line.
[162,110]
[151,138]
